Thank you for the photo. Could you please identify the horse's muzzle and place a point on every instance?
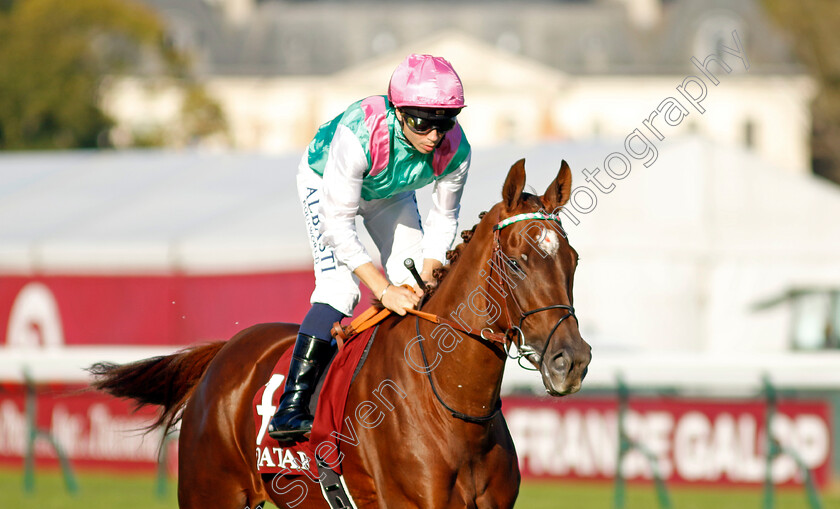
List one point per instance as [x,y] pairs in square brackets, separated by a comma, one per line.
[564,371]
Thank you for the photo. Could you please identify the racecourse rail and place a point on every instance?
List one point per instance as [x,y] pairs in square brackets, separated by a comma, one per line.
[720,373]
[630,373]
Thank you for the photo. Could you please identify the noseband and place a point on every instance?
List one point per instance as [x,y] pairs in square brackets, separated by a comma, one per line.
[500,261]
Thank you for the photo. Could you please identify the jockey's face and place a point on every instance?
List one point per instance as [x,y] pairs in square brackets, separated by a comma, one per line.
[424,143]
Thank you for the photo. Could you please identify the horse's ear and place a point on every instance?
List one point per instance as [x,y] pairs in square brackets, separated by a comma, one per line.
[514,184]
[559,190]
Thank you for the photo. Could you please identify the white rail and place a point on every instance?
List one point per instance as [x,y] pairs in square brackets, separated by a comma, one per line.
[67,365]
[733,373]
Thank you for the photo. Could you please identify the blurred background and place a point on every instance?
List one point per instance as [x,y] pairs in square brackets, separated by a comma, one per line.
[147,201]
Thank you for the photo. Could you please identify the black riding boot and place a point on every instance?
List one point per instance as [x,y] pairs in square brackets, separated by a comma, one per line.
[292,419]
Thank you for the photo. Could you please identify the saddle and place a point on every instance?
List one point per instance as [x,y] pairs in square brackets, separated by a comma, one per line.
[326,405]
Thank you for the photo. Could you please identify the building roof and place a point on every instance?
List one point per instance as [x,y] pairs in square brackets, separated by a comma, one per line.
[276,37]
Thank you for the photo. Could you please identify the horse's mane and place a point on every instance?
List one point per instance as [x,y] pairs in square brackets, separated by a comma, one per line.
[454,254]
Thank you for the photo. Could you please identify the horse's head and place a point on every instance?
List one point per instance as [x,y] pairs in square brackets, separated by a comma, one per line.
[535,268]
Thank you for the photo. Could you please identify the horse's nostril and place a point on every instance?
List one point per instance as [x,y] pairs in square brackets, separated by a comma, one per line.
[585,371]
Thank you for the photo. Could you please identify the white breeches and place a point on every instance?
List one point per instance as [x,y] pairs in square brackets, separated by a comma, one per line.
[394,226]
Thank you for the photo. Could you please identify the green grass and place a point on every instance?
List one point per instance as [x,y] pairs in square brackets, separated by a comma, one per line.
[123,491]
[590,495]
[139,491]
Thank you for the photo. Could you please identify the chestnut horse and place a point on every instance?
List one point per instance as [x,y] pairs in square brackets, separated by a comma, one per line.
[440,441]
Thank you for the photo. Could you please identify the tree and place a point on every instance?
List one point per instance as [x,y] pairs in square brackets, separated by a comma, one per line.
[54,55]
[814,26]
[201,116]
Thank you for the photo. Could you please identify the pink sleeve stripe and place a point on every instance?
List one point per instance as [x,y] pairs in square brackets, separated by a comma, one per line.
[376,122]
[447,150]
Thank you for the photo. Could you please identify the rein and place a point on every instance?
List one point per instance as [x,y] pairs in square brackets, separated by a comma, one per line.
[455,413]
[373,316]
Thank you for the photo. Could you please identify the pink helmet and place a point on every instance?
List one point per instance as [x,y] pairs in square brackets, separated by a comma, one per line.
[425,81]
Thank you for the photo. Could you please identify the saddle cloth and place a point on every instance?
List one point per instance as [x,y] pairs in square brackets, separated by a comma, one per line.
[294,458]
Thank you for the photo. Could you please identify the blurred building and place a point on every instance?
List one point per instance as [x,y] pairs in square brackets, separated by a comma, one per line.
[534,71]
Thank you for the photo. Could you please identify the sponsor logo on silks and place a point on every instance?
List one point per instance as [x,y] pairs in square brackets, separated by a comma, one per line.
[323,254]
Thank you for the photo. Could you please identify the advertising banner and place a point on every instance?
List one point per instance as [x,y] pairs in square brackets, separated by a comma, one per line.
[94,430]
[146,310]
[693,441]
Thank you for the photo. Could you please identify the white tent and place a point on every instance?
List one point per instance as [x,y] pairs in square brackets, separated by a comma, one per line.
[148,211]
[673,259]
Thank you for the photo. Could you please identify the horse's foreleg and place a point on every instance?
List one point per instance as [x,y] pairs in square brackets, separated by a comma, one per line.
[294,492]
[206,480]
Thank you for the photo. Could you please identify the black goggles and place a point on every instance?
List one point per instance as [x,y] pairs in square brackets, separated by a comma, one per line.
[422,125]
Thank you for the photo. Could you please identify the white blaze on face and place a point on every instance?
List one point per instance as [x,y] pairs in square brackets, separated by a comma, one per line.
[549,241]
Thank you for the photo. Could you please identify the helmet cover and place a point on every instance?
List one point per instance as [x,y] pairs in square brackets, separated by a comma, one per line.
[425,81]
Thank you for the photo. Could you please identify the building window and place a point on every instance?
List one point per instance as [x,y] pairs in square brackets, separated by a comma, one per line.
[714,31]
[816,319]
[692,128]
[749,134]
[594,48]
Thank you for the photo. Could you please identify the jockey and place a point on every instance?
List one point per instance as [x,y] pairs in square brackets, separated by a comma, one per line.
[368,161]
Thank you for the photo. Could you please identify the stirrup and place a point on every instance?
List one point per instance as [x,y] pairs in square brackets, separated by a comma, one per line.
[290,435]
[286,430]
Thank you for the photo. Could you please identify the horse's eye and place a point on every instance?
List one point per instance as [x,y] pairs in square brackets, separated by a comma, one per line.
[514,264]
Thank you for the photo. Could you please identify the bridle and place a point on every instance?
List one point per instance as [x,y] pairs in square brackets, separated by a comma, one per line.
[498,261]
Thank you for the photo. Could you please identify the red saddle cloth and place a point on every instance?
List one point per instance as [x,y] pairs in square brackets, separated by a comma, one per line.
[294,458]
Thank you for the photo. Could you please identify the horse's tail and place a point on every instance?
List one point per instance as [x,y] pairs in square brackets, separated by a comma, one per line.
[167,381]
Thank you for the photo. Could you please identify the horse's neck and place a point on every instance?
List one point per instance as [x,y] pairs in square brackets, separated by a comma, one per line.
[470,374]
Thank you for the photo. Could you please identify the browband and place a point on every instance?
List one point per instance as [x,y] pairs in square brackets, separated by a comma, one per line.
[525,217]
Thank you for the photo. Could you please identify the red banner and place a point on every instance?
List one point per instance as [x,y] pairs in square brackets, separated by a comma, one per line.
[148,310]
[697,441]
[693,441]
[94,430]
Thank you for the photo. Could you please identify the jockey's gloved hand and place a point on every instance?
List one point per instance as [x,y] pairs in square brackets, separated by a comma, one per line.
[399,298]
